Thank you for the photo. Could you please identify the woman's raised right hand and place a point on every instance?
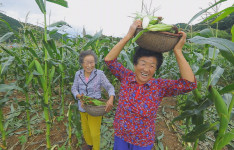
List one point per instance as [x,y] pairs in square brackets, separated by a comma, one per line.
[133,27]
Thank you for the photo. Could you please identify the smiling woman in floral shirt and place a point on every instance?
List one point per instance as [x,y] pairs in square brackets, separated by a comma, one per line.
[140,94]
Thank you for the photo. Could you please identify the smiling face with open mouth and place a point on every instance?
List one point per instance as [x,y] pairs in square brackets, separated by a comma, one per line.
[145,69]
[88,64]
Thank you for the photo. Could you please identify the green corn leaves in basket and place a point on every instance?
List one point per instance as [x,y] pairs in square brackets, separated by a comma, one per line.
[153,23]
[91,101]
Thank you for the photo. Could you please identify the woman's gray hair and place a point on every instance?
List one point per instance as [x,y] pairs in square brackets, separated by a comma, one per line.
[83,54]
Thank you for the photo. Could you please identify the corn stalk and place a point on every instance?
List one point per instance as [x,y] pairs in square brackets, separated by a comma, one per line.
[3,132]
[61,69]
[44,79]
[69,115]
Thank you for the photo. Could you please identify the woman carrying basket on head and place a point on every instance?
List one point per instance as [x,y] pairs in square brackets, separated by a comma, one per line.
[88,81]
[140,94]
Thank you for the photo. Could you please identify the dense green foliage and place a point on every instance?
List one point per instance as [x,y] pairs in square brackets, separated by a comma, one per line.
[42,69]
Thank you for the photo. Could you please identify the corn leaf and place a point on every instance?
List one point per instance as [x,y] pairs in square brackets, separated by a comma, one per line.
[206,33]
[231,106]
[41,81]
[224,119]
[53,31]
[39,68]
[216,75]
[224,13]
[227,89]
[48,48]
[225,139]
[204,10]
[59,2]
[232,31]
[194,110]
[127,59]
[58,24]
[29,79]
[41,5]
[226,47]
[92,40]
[32,51]
[8,25]
[9,87]
[198,132]
[139,34]
[212,51]
[51,74]
[53,47]
[71,50]
[31,65]
[29,32]
[5,65]
[12,54]
[61,68]
[6,37]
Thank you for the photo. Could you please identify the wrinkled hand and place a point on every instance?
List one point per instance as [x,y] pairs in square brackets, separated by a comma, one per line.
[133,27]
[109,105]
[181,42]
[80,98]
[82,104]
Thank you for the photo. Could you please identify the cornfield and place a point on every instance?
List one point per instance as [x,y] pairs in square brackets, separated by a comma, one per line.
[37,74]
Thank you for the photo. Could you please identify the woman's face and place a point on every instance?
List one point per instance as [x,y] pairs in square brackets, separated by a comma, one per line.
[145,69]
[88,63]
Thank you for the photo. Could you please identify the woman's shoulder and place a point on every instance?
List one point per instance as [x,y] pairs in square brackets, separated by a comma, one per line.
[79,71]
[99,71]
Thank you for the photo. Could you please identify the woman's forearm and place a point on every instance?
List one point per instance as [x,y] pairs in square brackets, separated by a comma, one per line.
[185,69]
[112,97]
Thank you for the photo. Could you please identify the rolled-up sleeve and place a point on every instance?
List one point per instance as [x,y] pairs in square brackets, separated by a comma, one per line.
[176,87]
[107,85]
[75,85]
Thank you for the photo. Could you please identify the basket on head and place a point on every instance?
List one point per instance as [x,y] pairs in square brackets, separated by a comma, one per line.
[157,41]
[95,110]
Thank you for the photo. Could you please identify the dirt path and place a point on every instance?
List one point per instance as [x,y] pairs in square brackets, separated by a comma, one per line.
[166,113]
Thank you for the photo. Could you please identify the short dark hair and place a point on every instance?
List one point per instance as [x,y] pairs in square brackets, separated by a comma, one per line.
[141,52]
[83,54]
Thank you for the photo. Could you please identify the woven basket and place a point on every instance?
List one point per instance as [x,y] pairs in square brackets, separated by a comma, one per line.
[95,110]
[157,41]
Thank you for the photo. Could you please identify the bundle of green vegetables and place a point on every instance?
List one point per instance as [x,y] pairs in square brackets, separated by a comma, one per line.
[91,101]
[153,23]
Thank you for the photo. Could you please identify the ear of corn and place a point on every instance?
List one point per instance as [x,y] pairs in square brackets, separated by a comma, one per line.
[153,23]
[159,27]
[222,110]
[220,105]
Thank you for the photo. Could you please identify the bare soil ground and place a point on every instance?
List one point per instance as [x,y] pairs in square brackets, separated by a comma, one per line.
[58,136]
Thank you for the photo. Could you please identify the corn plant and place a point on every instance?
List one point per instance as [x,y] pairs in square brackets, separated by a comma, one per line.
[44,79]
[6,89]
[76,124]
[224,137]
[194,108]
[24,72]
